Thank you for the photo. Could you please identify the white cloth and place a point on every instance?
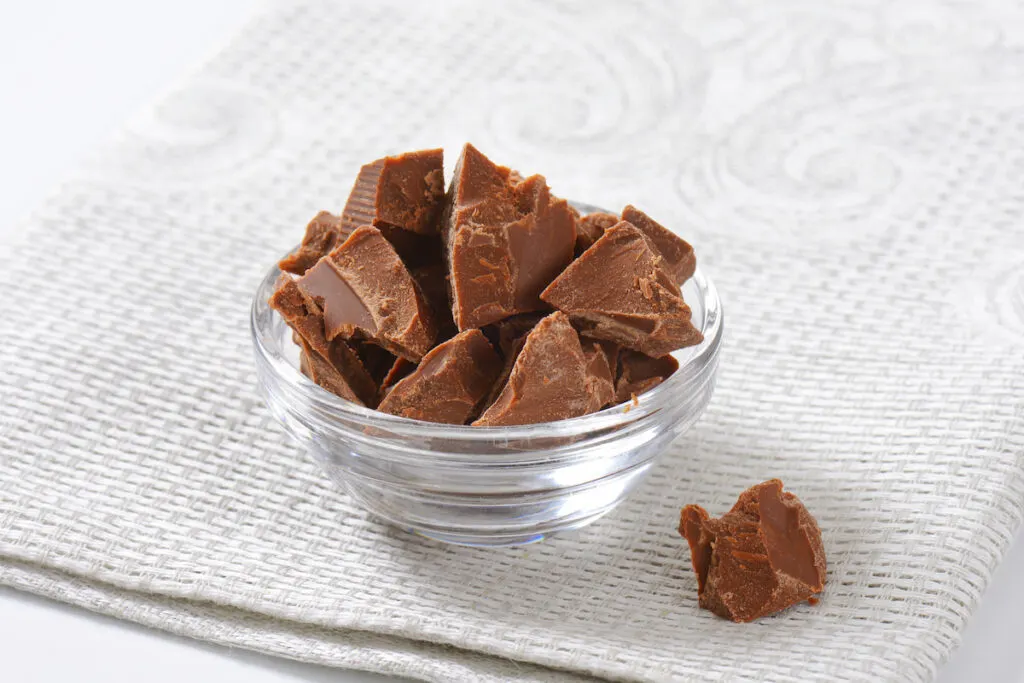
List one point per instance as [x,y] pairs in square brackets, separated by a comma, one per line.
[850,178]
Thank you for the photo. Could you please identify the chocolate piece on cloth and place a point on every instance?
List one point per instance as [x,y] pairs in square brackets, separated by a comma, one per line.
[504,242]
[761,557]
[323,234]
[331,364]
[367,293]
[449,384]
[638,373]
[679,259]
[589,229]
[548,380]
[618,291]
[403,191]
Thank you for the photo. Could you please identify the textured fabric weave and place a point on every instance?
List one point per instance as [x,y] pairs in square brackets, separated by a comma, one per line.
[851,179]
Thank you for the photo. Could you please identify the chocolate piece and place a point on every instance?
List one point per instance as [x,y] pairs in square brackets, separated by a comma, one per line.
[504,242]
[323,233]
[377,360]
[617,291]
[433,283]
[403,191]
[367,293]
[548,380]
[399,370]
[589,229]
[449,383]
[332,365]
[638,373]
[601,357]
[680,261]
[762,556]
[504,334]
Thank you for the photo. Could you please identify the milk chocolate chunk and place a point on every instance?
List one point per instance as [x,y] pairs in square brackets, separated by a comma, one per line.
[449,384]
[761,557]
[432,280]
[332,365]
[601,359]
[680,261]
[638,373]
[589,229]
[618,291]
[367,293]
[548,380]
[403,191]
[504,242]
[323,234]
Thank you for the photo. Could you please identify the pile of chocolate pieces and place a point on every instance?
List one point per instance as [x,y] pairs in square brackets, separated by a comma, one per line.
[494,303]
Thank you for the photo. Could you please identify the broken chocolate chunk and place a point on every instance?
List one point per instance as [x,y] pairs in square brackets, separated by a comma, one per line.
[403,191]
[548,380]
[601,357]
[449,383]
[761,557]
[504,242]
[679,259]
[432,280]
[618,291]
[639,373]
[332,365]
[367,294]
[323,234]
[589,229]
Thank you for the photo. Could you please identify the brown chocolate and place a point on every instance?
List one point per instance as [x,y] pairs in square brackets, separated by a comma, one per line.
[505,334]
[589,229]
[366,292]
[761,557]
[403,191]
[331,364]
[323,234]
[617,291]
[504,242]
[638,373]
[679,259]
[432,280]
[548,380]
[449,384]
[601,357]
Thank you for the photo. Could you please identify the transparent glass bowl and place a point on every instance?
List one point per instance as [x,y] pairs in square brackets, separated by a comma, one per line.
[486,486]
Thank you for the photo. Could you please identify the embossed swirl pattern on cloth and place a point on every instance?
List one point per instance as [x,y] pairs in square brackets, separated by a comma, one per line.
[851,179]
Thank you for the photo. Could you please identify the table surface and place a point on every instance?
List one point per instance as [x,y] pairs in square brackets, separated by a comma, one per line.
[72,72]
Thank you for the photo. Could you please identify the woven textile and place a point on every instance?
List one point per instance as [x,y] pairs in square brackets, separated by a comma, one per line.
[851,179]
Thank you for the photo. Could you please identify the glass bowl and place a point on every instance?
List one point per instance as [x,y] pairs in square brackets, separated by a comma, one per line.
[486,486]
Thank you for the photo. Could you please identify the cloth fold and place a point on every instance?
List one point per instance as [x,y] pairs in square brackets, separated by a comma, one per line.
[850,180]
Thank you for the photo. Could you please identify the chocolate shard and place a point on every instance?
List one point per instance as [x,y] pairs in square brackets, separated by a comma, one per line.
[761,557]
[638,373]
[403,191]
[398,371]
[505,334]
[548,380]
[589,229]
[602,360]
[332,365]
[618,291]
[450,382]
[323,234]
[504,242]
[432,280]
[367,293]
[679,259]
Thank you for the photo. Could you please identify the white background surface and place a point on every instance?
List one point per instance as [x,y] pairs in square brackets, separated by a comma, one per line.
[70,73]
